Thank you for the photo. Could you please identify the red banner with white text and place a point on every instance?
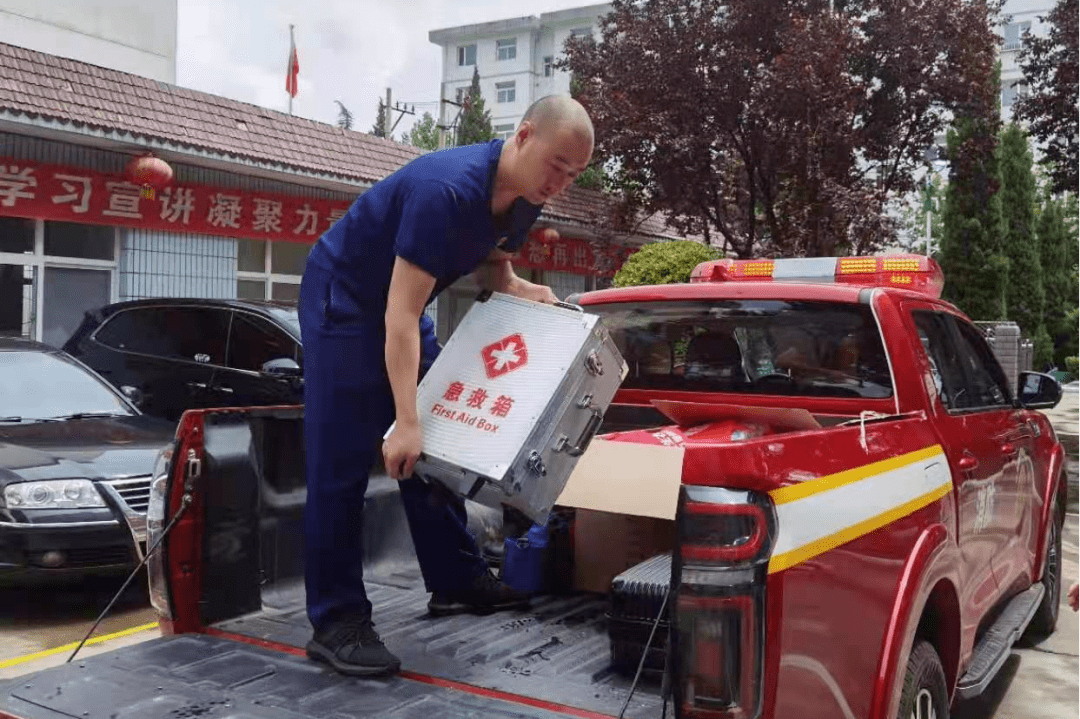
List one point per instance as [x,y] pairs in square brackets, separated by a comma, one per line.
[68,194]
[567,254]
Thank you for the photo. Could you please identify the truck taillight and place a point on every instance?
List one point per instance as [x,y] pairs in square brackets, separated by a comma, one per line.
[727,533]
[718,638]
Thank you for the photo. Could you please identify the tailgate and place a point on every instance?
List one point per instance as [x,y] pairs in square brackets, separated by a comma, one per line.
[192,676]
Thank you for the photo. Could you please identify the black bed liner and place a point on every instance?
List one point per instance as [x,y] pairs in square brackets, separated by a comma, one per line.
[548,655]
[504,665]
[558,650]
[196,676]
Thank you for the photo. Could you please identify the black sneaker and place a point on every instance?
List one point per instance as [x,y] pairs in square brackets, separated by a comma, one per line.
[352,647]
[484,595]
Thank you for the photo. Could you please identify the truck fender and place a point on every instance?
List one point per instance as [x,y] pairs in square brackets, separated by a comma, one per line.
[930,563]
[1053,484]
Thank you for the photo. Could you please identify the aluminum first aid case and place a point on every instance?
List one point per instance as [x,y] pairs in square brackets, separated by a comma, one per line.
[513,400]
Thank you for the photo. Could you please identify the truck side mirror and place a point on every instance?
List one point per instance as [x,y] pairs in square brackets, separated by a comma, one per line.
[1038,391]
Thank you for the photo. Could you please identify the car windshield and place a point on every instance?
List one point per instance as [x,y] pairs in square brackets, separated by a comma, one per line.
[44,385]
[812,349]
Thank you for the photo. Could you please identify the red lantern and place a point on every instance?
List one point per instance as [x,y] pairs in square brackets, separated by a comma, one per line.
[151,172]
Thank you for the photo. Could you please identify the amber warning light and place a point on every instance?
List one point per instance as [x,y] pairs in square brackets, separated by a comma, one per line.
[918,273]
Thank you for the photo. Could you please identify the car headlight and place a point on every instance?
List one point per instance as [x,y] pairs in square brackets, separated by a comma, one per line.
[53,494]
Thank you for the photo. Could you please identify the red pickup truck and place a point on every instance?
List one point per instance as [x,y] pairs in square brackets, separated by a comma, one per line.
[869,517]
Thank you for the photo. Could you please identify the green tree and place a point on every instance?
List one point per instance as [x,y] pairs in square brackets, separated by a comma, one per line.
[976,270]
[475,124]
[1072,253]
[661,263]
[345,118]
[1072,247]
[379,128]
[1044,348]
[1024,296]
[424,134]
[1057,276]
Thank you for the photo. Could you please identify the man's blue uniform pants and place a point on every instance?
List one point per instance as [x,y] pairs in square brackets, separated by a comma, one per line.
[348,408]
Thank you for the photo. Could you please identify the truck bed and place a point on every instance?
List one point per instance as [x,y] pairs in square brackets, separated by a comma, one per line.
[549,661]
[248,660]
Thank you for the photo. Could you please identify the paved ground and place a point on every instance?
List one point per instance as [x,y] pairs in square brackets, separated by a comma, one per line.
[1039,682]
[34,621]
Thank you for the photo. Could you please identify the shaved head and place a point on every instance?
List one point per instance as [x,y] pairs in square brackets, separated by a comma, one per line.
[555,112]
[552,145]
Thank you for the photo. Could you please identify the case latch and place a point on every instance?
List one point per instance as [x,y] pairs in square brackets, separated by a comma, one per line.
[593,363]
[535,463]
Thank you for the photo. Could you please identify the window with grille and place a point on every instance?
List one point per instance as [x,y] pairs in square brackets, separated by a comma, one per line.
[1014,34]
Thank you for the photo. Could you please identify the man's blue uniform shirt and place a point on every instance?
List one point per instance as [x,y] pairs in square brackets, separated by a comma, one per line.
[435,212]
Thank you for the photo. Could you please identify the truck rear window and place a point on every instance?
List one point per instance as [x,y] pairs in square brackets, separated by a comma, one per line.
[810,349]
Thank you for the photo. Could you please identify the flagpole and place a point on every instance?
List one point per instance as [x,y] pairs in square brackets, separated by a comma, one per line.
[292,46]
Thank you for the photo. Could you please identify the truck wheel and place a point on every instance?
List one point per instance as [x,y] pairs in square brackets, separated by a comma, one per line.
[925,695]
[1045,620]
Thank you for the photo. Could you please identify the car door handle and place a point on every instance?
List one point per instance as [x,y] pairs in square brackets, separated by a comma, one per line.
[968,462]
[225,389]
[197,385]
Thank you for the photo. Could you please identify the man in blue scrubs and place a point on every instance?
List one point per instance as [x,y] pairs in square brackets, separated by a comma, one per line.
[366,339]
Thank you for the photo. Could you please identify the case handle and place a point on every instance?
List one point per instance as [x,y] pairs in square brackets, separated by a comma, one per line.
[569,306]
[485,295]
[590,430]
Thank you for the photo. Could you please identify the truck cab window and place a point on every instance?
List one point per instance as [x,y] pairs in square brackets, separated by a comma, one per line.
[986,380]
[800,348]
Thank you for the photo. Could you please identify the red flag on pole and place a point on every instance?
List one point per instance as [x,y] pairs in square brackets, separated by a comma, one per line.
[294,67]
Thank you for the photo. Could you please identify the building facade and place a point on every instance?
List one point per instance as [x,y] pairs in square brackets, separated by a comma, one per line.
[1021,16]
[252,190]
[138,36]
[515,59]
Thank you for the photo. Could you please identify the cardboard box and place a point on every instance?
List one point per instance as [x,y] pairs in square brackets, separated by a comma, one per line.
[642,480]
[625,496]
[607,544]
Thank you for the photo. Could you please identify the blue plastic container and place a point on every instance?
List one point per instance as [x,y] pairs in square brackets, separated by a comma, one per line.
[524,563]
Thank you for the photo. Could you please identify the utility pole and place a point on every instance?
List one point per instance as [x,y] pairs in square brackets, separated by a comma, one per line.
[442,125]
[928,252]
[386,116]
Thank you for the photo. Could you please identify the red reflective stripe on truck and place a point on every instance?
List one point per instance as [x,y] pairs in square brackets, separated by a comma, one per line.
[422,678]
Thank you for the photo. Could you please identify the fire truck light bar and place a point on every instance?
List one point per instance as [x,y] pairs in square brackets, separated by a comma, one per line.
[918,273]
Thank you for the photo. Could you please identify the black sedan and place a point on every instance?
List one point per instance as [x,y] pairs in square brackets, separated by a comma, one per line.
[76,460]
[182,354]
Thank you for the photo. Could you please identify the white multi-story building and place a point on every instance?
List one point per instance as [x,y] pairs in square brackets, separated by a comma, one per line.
[515,60]
[1025,16]
[137,36]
